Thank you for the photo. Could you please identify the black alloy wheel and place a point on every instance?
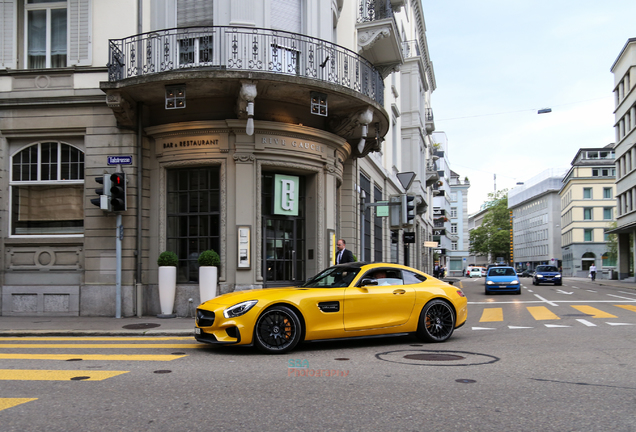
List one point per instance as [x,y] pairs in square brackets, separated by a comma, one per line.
[437,321]
[278,330]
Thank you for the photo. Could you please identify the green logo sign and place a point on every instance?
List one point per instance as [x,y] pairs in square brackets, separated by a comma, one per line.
[286,195]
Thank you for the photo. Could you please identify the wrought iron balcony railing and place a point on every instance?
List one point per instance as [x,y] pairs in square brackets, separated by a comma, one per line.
[375,10]
[243,49]
[411,49]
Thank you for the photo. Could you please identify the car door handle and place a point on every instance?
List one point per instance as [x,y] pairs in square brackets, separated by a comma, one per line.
[400,291]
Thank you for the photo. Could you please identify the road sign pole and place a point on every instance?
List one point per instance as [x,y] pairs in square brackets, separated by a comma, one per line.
[120,234]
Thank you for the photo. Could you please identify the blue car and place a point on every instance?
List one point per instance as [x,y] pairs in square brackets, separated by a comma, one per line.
[547,274]
[502,279]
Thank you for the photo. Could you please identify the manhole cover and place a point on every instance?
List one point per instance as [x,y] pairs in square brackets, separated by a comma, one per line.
[466,381]
[434,357]
[73,359]
[80,378]
[162,371]
[141,326]
[342,358]
[177,353]
[420,357]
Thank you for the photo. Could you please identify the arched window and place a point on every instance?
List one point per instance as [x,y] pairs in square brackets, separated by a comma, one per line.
[587,260]
[609,260]
[47,190]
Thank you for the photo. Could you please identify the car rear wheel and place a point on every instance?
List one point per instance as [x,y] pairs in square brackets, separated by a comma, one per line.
[278,330]
[437,321]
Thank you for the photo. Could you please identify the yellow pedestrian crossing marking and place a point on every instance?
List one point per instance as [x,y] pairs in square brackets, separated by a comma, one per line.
[93,346]
[113,357]
[492,314]
[11,402]
[56,375]
[541,313]
[628,307]
[595,313]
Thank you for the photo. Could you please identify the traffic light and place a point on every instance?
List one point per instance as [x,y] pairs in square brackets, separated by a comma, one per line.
[103,199]
[118,192]
[408,209]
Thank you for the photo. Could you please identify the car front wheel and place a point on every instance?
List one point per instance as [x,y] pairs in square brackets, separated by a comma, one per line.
[437,321]
[278,330]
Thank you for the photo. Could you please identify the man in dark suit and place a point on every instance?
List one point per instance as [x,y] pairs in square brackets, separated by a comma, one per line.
[343,255]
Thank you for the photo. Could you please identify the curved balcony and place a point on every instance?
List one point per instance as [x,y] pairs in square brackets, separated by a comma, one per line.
[212,61]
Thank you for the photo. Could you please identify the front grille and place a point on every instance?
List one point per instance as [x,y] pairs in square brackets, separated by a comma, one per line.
[204,318]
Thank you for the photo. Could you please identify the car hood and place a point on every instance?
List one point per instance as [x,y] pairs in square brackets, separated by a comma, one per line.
[253,294]
[547,273]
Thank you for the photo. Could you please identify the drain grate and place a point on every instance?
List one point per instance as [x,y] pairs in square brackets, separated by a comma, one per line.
[141,326]
[434,357]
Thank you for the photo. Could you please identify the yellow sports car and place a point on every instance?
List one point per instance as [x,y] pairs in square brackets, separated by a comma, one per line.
[343,301]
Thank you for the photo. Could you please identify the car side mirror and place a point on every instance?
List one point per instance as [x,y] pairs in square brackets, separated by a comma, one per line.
[368,281]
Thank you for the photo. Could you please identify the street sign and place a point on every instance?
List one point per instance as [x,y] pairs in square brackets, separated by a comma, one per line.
[439,232]
[406,178]
[119,160]
[382,210]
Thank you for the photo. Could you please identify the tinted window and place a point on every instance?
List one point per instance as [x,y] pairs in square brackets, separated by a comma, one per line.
[411,278]
[333,277]
[547,269]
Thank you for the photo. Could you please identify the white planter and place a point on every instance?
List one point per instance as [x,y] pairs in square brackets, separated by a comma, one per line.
[167,288]
[208,277]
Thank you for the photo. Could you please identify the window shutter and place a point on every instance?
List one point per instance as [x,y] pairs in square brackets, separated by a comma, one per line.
[79,32]
[8,36]
[194,13]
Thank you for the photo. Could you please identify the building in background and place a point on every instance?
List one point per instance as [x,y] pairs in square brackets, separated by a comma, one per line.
[624,70]
[536,220]
[587,212]
[257,131]
[475,220]
[458,254]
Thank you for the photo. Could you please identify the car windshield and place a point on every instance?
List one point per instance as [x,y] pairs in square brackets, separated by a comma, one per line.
[547,269]
[333,277]
[501,272]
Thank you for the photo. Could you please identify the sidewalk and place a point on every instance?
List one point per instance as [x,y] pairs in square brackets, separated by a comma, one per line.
[95,326]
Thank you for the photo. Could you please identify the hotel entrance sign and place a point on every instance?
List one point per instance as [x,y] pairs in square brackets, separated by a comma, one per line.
[286,194]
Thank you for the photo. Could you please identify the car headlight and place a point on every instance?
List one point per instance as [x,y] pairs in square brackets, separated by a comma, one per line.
[539,276]
[490,283]
[556,276]
[514,282]
[239,309]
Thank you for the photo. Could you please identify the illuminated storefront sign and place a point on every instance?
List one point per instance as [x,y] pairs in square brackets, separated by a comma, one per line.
[286,195]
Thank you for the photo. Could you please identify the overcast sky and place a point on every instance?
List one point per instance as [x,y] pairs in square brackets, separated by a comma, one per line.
[497,62]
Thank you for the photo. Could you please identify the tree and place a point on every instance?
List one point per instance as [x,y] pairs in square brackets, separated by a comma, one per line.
[612,245]
[492,238]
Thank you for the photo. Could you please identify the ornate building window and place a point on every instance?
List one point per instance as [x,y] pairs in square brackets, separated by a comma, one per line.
[47,190]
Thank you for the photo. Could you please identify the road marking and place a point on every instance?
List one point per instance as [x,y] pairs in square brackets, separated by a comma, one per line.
[625,298]
[91,338]
[545,301]
[575,287]
[555,325]
[83,346]
[492,314]
[483,328]
[530,290]
[56,375]
[516,327]
[90,357]
[586,322]
[618,324]
[11,402]
[590,290]
[564,292]
[630,293]
[541,313]
[595,313]
[628,307]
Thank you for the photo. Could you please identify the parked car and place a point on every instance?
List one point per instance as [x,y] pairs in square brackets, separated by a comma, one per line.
[527,273]
[484,271]
[474,272]
[502,279]
[345,300]
[547,274]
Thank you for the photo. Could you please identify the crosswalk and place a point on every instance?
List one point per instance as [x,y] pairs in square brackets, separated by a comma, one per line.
[74,350]
[593,316]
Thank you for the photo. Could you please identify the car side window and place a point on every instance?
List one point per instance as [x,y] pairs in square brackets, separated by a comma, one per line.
[411,278]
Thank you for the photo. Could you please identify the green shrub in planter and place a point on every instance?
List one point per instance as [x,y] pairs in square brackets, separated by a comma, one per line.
[209,258]
[167,259]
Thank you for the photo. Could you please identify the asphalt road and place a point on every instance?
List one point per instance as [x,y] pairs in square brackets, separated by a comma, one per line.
[513,366]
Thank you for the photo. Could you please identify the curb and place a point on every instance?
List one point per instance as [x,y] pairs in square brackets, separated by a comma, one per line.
[148,333]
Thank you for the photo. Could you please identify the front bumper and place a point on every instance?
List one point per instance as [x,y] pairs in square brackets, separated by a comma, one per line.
[218,337]
[503,288]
